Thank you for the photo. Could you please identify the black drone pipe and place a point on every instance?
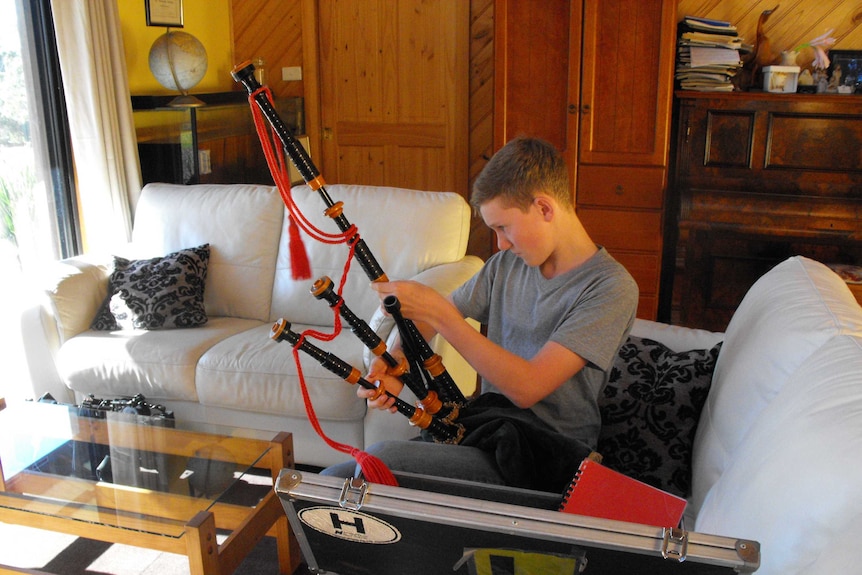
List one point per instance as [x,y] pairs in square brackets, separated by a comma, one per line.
[411,377]
[244,74]
[415,344]
[440,429]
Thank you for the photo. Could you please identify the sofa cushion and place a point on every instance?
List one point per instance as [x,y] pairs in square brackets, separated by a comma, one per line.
[158,293]
[434,231]
[786,316]
[794,483]
[650,410]
[160,364]
[251,372]
[241,223]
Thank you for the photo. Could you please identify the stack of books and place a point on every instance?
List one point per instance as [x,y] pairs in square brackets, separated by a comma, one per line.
[709,54]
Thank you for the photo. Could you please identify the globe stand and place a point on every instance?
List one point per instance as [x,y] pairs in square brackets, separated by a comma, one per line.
[186,101]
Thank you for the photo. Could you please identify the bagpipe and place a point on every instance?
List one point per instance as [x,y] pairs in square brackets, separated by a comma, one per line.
[528,451]
[423,372]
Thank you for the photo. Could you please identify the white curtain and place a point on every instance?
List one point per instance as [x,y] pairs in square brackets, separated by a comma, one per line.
[95,82]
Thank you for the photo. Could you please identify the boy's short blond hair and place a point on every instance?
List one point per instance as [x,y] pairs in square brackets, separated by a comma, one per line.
[521,169]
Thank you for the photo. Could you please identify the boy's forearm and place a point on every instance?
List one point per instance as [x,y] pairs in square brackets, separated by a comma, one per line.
[492,362]
[523,381]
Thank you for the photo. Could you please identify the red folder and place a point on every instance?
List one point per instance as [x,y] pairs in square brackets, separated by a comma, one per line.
[599,491]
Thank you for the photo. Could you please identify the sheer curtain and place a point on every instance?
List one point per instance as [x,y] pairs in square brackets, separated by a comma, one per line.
[92,61]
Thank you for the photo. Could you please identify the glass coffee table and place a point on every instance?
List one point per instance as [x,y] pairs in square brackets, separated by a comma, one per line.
[146,481]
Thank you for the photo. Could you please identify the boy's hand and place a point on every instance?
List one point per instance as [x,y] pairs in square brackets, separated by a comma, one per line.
[380,365]
[418,301]
[382,401]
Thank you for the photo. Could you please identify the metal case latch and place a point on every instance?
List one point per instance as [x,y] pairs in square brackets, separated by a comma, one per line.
[678,539]
[353,494]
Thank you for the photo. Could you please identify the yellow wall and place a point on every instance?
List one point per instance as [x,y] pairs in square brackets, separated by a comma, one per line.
[207,20]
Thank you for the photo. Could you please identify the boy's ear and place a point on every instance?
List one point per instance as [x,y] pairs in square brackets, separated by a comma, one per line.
[545,205]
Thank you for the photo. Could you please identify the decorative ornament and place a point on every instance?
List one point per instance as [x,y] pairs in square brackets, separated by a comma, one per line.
[814,54]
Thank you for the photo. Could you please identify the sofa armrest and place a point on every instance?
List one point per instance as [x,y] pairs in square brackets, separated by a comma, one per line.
[443,278]
[64,298]
[74,290]
[676,337]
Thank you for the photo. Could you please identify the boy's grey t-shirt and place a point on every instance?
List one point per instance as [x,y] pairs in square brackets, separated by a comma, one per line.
[588,310]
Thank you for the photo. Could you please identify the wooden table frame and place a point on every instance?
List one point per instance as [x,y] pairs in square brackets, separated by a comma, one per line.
[248,525]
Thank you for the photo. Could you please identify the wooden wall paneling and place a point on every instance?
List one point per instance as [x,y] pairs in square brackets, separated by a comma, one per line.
[481,84]
[273,31]
[793,23]
[481,112]
[311,83]
[268,28]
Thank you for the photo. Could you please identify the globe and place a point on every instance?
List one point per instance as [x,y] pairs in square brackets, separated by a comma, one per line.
[178,61]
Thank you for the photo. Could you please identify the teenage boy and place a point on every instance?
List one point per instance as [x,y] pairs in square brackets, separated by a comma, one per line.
[557,308]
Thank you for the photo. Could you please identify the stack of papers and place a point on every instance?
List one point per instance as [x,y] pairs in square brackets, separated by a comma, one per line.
[708,54]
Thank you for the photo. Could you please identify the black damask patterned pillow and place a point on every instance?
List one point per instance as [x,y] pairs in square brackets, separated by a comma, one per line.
[158,293]
[650,411]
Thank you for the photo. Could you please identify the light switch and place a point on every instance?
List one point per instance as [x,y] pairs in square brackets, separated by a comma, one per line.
[204,162]
[291,73]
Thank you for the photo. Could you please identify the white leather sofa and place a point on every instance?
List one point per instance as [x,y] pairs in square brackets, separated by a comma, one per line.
[230,371]
[777,457]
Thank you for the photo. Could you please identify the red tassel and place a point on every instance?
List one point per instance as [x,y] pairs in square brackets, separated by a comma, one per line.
[300,269]
[374,469]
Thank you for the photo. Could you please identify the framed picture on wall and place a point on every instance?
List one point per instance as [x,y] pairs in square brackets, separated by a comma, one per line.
[166,13]
[847,64]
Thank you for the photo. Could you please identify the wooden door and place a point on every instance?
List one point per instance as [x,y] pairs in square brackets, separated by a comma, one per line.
[394,92]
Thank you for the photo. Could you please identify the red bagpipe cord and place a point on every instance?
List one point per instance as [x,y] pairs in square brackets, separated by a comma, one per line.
[373,468]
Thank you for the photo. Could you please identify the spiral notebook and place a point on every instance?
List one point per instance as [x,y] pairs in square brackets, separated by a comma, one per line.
[599,491]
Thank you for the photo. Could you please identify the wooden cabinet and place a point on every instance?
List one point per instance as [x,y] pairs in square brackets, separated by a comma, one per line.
[759,178]
[626,98]
[215,143]
[601,74]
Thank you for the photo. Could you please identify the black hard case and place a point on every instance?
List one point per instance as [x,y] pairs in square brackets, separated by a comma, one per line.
[434,526]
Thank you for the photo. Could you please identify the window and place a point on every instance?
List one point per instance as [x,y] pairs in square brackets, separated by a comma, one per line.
[36,173]
[37,207]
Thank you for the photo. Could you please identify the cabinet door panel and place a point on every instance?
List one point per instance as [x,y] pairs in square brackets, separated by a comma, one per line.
[627,81]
